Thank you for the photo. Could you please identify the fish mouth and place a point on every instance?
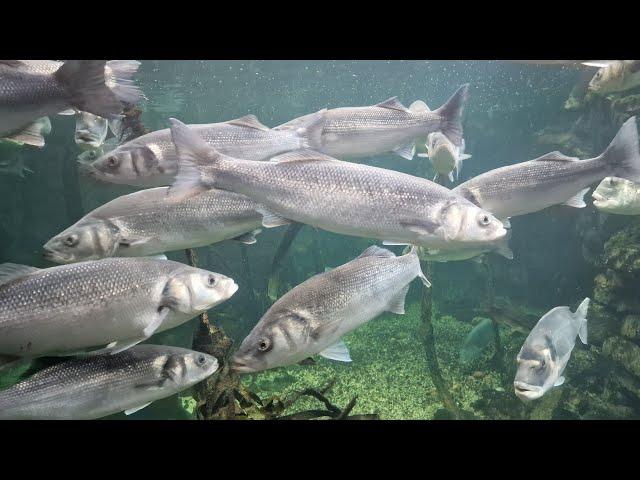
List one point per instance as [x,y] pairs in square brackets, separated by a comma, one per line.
[527,392]
[240,366]
[53,256]
[598,197]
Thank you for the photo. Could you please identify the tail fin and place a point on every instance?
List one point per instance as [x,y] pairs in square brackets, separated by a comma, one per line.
[193,153]
[580,316]
[415,251]
[119,75]
[451,113]
[622,154]
[310,130]
[84,81]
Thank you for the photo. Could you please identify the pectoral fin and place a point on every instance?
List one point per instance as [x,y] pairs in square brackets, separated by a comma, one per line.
[271,220]
[338,351]
[135,409]
[248,238]
[559,381]
[407,151]
[32,134]
[577,201]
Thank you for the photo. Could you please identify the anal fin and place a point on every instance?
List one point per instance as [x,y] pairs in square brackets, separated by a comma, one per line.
[397,303]
[407,151]
[338,351]
[135,409]
[32,134]
[577,201]
[271,220]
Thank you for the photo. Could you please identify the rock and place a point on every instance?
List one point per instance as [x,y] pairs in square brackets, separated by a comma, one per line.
[479,375]
[622,250]
[624,352]
[607,287]
[544,407]
[602,323]
[631,327]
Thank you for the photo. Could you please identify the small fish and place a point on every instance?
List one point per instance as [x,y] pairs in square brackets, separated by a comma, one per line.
[26,97]
[151,160]
[617,195]
[478,339]
[444,155]
[313,317]
[546,351]
[144,223]
[619,76]
[91,130]
[354,132]
[552,179]
[109,304]
[95,387]
[341,197]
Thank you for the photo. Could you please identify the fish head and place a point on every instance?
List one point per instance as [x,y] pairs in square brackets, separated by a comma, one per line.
[280,338]
[537,370]
[91,130]
[464,223]
[88,240]
[614,194]
[193,290]
[442,153]
[130,165]
[182,368]
[607,79]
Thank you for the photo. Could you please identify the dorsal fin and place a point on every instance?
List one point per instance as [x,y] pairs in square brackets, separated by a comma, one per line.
[302,156]
[556,157]
[419,106]
[394,104]
[12,271]
[376,251]
[250,121]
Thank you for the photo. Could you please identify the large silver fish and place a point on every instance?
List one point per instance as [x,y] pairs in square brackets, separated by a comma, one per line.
[547,349]
[354,132]
[88,388]
[145,223]
[108,304]
[26,97]
[312,317]
[151,160]
[552,179]
[337,196]
[618,196]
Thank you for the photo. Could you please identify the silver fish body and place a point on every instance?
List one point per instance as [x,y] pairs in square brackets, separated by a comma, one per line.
[313,316]
[618,196]
[145,223]
[337,196]
[112,303]
[552,179]
[355,132]
[95,387]
[547,349]
[151,160]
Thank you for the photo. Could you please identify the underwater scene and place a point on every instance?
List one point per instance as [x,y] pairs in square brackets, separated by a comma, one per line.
[357,240]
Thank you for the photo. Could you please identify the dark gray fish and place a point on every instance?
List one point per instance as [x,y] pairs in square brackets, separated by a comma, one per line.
[313,317]
[145,223]
[553,179]
[89,388]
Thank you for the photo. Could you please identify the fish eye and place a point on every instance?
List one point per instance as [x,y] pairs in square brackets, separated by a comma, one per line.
[112,161]
[201,360]
[612,182]
[211,280]
[484,220]
[71,240]
[264,345]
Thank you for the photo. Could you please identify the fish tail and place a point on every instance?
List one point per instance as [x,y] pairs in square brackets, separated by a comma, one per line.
[193,154]
[120,73]
[451,113]
[581,317]
[622,154]
[84,81]
[311,131]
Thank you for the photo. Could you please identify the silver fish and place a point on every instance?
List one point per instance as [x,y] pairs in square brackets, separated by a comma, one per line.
[89,388]
[546,351]
[312,317]
[354,132]
[151,160]
[619,76]
[337,196]
[91,130]
[501,247]
[479,338]
[618,196]
[25,97]
[112,303]
[552,179]
[145,223]
[444,155]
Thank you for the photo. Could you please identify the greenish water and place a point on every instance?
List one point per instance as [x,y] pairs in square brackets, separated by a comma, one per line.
[511,112]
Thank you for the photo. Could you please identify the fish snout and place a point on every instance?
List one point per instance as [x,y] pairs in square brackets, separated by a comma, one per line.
[240,364]
[526,392]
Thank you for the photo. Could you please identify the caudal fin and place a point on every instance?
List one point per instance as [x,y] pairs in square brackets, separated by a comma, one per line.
[84,81]
[451,113]
[193,153]
[623,154]
[580,316]
[119,74]
[310,130]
